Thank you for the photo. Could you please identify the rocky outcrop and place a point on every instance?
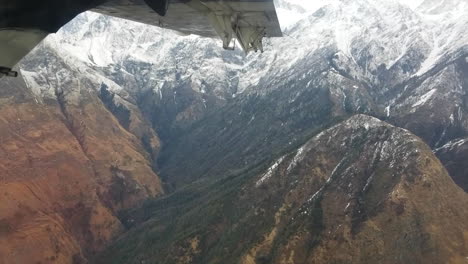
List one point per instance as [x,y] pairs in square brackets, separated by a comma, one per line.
[362,191]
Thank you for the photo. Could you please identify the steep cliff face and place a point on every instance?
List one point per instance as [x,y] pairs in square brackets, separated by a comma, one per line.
[173,79]
[68,167]
[358,192]
[454,155]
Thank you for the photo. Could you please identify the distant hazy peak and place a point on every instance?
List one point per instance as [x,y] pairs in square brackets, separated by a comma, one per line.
[442,6]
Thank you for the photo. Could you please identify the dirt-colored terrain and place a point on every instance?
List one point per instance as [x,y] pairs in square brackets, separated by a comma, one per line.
[66,169]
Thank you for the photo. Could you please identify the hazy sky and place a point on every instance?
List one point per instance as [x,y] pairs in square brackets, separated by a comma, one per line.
[315,4]
[411,3]
[288,18]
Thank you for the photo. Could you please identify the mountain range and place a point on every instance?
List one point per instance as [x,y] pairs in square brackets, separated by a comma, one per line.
[344,142]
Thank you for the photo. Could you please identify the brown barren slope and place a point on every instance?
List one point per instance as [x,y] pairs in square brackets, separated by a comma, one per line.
[66,169]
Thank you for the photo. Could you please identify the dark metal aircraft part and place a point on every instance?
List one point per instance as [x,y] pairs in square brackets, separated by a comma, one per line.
[45,15]
[160,6]
[8,72]
[51,15]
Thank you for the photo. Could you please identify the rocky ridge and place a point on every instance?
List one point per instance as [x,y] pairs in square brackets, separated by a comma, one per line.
[354,193]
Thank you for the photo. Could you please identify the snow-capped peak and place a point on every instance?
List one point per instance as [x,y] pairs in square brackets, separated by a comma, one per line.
[360,37]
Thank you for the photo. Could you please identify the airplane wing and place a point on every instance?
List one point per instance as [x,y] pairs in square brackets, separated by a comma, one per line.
[25,23]
[248,21]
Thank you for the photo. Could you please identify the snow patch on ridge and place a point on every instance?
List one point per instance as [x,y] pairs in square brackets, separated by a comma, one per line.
[452,144]
[269,172]
[426,97]
[37,83]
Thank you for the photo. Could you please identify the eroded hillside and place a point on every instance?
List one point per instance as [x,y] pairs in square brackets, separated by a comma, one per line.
[361,191]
